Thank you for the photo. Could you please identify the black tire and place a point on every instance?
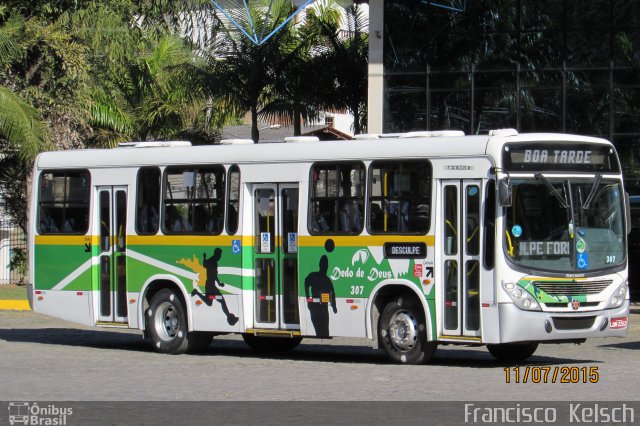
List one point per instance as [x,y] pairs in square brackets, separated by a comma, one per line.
[199,342]
[402,332]
[271,344]
[167,326]
[512,352]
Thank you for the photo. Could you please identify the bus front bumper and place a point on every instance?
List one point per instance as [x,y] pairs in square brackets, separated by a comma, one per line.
[517,325]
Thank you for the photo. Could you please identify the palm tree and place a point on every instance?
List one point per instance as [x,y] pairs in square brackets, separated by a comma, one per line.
[241,75]
[21,127]
[346,55]
[303,87]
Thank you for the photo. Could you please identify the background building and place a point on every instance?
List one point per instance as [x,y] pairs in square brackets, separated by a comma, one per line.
[534,65]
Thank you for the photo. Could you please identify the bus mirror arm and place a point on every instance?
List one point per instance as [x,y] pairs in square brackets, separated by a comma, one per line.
[504,192]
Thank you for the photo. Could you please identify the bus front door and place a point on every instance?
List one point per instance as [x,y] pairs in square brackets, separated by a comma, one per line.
[275,215]
[460,237]
[111,215]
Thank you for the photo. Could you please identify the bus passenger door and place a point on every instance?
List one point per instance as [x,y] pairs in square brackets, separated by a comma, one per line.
[460,236]
[275,209]
[111,222]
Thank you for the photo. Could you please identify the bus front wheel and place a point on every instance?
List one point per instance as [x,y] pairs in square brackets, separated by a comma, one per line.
[512,352]
[167,326]
[402,332]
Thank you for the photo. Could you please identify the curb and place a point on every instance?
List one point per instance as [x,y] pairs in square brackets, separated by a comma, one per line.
[14,305]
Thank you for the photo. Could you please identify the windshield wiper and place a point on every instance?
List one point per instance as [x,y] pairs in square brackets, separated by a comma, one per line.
[555,192]
[592,193]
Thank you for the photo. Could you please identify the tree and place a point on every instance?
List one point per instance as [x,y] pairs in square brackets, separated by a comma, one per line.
[303,87]
[241,75]
[345,57]
[21,127]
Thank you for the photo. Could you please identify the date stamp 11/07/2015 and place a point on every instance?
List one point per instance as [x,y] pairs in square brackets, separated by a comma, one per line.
[548,374]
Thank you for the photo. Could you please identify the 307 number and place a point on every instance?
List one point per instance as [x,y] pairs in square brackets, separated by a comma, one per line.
[610,259]
[357,290]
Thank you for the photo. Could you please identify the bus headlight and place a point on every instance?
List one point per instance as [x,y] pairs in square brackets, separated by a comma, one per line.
[521,298]
[619,296]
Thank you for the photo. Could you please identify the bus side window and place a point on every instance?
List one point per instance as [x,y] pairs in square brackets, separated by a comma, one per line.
[399,197]
[194,200]
[148,202]
[233,202]
[490,225]
[63,202]
[337,198]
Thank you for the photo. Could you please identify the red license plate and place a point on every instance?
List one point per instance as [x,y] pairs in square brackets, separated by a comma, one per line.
[618,322]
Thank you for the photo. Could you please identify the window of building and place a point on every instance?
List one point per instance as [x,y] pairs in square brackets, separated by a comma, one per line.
[63,202]
[337,198]
[400,197]
[148,201]
[233,203]
[194,200]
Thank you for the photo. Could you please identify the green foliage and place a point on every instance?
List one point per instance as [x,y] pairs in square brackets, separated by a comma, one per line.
[18,262]
[78,73]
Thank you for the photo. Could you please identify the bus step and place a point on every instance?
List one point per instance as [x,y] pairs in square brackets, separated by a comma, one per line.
[267,332]
[112,324]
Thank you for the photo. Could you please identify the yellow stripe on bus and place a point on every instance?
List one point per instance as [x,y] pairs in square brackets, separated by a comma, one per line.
[67,240]
[364,240]
[187,240]
[247,240]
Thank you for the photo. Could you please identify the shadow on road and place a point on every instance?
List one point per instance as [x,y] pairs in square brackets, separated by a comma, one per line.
[623,345]
[307,351]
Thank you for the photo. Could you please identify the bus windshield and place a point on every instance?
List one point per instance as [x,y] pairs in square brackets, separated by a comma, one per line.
[565,225]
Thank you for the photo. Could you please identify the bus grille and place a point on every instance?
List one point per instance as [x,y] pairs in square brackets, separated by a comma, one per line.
[554,288]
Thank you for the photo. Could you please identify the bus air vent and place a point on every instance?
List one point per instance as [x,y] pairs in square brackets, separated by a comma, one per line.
[294,139]
[366,136]
[433,134]
[571,288]
[236,141]
[503,132]
[154,144]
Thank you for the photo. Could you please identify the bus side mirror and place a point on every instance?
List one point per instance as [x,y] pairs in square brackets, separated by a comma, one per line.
[627,203]
[504,192]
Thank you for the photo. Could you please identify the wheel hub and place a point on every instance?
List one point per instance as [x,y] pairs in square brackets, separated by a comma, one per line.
[403,330]
[167,321]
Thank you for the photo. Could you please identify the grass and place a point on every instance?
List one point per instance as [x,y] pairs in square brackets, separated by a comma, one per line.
[13,292]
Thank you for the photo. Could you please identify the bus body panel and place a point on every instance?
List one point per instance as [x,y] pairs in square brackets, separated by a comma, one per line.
[64,270]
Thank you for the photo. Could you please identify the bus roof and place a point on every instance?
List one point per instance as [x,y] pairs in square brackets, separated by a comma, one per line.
[416,147]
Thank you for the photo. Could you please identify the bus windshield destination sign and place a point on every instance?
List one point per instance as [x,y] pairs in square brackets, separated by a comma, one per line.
[546,157]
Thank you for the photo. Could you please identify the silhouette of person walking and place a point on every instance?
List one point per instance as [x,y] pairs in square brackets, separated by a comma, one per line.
[211,285]
[319,291]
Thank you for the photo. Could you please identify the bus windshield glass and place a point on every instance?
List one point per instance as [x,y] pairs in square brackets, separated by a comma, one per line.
[565,225]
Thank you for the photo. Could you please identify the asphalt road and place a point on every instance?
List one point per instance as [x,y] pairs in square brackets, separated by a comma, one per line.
[47,359]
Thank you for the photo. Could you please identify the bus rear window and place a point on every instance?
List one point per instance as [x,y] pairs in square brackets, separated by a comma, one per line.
[400,196]
[63,202]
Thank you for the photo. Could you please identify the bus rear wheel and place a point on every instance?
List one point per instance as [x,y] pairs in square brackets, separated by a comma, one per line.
[167,326]
[512,352]
[271,344]
[402,332]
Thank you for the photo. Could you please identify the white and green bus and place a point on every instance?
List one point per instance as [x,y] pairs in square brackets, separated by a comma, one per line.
[412,240]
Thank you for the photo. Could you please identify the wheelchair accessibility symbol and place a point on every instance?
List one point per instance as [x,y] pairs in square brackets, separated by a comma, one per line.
[583,260]
[236,247]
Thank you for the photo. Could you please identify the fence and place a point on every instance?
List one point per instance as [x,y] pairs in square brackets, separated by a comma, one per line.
[13,249]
